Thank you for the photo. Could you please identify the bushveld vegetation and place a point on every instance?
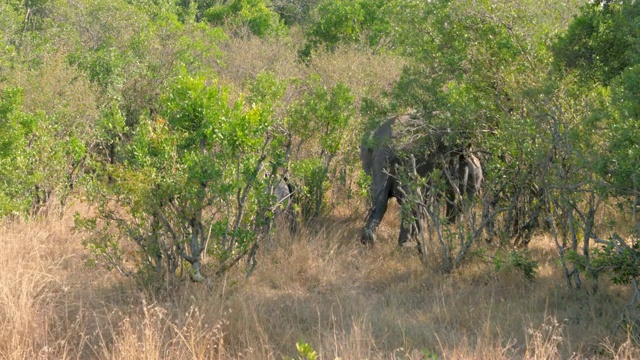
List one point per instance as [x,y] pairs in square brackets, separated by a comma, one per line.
[142,143]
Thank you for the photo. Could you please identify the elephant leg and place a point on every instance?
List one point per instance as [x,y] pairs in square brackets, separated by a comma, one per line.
[464,173]
[369,231]
[376,213]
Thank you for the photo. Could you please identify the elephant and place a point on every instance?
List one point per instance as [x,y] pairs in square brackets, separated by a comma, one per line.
[379,153]
[284,193]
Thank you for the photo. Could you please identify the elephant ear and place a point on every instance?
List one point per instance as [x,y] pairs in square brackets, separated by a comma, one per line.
[367,147]
[376,136]
[366,157]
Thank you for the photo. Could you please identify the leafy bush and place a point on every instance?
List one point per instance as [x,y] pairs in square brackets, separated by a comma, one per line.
[39,157]
[600,47]
[618,163]
[189,183]
[306,351]
[321,119]
[516,260]
[254,14]
[295,11]
[16,192]
[599,41]
[615,256]
[367,23]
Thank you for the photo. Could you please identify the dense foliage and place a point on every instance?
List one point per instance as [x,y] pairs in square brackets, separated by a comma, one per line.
[133,104]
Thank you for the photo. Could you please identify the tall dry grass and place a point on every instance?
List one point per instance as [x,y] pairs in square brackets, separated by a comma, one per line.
[320,287]
[367,74]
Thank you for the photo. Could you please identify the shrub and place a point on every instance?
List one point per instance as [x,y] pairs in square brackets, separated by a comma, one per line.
[366,23]
[39,156]
[319,121]
[254,14]
[189,183]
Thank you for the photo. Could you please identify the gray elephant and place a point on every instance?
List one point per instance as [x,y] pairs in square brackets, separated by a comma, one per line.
[380,158]
[284,193]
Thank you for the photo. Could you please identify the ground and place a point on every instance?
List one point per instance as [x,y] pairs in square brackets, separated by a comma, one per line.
[320,287]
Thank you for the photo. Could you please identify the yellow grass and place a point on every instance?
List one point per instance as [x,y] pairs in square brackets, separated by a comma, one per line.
[367,74]
[320,287]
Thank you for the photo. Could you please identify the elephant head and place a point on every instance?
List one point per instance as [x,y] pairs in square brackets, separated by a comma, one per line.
[383,151]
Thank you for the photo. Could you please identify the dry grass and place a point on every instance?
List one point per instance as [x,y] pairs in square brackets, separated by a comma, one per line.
[321,287]
[367,74]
